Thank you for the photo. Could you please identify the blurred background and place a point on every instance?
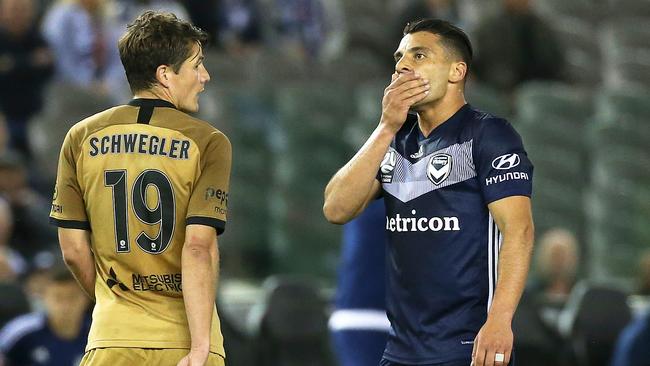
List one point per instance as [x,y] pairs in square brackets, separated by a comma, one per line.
[297,87]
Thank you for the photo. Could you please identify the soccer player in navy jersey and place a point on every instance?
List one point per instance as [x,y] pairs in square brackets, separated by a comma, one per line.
[456,184]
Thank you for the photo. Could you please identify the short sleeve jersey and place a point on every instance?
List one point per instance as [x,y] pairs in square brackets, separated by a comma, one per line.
[443,243]
[135,176]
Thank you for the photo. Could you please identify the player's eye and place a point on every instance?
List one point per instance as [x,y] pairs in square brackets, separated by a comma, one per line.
[420,56]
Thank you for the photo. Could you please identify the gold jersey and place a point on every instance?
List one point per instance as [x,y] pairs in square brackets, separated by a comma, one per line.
[135,176]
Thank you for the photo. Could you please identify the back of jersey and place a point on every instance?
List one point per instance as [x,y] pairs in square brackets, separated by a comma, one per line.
[135,176]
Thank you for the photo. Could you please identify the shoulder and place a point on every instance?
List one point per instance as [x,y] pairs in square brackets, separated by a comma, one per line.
[19,328]
[487,128]
[80,130]
[202,132]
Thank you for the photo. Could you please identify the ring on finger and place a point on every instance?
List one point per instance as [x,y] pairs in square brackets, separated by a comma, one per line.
[499,357]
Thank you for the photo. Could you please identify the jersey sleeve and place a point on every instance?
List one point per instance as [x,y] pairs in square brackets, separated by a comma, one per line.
[502,164]
[209,200]
[68,208]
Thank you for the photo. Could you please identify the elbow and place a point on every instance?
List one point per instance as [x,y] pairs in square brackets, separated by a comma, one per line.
[335,215]
[70,258]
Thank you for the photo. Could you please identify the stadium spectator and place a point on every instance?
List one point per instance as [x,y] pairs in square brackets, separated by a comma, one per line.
[26,64]
[557,263]
[632,345]
[158,251]
[4,135]
[205,15]
[460,232]
[643,286]
[128,10]
[301,26]
[30,233]
[516,45]
[12,264]
[83,37]
[358,324]
[240,26]
[54,337]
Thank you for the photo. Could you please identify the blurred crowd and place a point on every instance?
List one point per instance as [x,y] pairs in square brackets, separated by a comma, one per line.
[297,86]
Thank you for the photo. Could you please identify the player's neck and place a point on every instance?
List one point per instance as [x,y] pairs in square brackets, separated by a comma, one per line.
[437,112]
[153,94]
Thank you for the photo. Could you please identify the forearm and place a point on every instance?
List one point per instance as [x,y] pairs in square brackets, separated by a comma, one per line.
[200,267]
[514,263]
[351,186]
[82,266]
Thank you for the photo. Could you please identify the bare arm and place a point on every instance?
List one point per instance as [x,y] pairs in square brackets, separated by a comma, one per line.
[200,270]
[514,219]
[75,248]
[351,189]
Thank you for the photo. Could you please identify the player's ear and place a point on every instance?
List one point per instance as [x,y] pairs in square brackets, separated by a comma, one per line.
[162,75]
[457,71]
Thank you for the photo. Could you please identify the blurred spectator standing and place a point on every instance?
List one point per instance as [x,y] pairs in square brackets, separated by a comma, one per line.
[4,135]
[359,324]
[557,262]
[307,29]
[127,10]
[240,26]
[539,341]
[31,233]
[26,64]
[632,346]
[643,288]
[83,35]
[204,14]
[515,45]
[55,337]
[11,263]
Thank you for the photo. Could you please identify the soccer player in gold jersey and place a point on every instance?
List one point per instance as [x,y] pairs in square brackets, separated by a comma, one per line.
[141,195]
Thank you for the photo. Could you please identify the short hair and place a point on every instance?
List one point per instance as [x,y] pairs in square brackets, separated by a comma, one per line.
[155,39]
[453,38]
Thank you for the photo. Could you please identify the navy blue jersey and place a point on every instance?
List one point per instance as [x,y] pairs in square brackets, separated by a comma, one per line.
[443,243]
[29,341]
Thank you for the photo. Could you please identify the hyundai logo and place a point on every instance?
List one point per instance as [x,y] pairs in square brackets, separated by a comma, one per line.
[505,162]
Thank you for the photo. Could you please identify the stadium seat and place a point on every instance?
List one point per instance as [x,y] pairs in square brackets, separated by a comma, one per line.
[586,9]
[625,8]
[582,52]
[547,100]
[626,52]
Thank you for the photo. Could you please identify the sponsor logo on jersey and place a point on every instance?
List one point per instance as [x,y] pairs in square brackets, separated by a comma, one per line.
[505,162]
[439,168]
[506,176]
[157,282]
[112,281]
[217,194]
[56,208]
[387,166]
[422,224]
[418,154]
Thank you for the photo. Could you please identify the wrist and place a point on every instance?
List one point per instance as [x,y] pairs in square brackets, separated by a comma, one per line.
[500,315]
[201,347]
[386,130]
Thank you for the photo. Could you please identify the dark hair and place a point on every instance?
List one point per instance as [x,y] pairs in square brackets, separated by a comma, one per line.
[453,38]
[155,39]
